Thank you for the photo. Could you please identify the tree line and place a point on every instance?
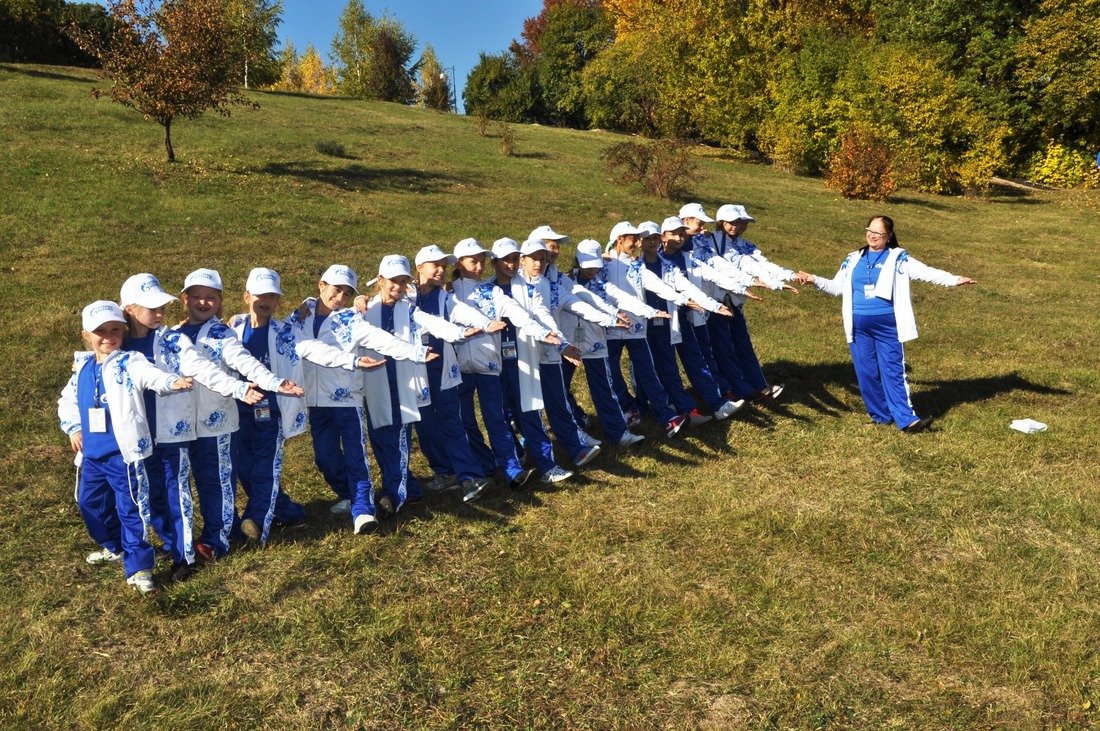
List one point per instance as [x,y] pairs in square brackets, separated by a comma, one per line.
[940,95]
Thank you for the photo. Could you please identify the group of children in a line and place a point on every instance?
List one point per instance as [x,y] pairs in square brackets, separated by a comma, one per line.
[152,405]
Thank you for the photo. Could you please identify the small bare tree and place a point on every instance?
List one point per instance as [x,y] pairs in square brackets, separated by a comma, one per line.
[167,60]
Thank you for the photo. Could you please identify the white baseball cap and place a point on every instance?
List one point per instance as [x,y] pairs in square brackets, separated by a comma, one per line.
[393,266]
[589,254]
[545,232]
[649,228]
[504,247]
[623,228]
[530,246]
[434,253]
[341,276]
[263,281]
[203,278]
[144,290]
[731,212]
[672,223]
[100,312]
[695,210]
[469,247]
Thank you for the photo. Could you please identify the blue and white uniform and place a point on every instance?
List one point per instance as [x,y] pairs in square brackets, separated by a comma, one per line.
[113,494]
[330,346]
[217,420]
[878,319]
[265,426]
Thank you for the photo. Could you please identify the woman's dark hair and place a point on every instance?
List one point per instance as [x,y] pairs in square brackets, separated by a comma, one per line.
[888,224]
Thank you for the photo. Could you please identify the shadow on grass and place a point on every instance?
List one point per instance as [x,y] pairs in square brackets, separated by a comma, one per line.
[944,395]
[812,386]
[362,178]
[39,74]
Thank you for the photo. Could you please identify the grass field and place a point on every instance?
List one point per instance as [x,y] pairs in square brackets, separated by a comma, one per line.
[792,568]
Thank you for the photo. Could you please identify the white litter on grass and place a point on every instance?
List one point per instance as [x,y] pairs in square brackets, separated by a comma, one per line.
[1028,426]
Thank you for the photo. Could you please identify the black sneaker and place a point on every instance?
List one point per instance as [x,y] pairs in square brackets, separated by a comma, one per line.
[182,571]
[521,480]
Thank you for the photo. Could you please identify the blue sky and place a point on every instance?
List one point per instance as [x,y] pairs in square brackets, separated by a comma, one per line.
[457,29]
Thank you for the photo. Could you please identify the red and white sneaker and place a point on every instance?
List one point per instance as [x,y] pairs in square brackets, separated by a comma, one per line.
[673,427]
[695,418]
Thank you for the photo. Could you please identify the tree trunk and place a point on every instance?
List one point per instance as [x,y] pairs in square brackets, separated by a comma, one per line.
[168,140]
[246,72]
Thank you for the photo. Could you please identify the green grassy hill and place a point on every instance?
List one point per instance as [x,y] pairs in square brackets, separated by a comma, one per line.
[791,568]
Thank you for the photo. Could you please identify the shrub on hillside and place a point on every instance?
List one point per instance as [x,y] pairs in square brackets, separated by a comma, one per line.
[331,148]
[1061,167]
[507,139]
[663,168]
[861,167]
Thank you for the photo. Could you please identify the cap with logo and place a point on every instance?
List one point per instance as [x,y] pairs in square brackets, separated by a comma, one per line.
[203,278]
[695,210]
[144,290]
[394,266]
[623,228]
[672,223]
[469,247]
[263,281]
[649,228]
[732,213]
[340,275]
[99,313]
[434,253]
[504,247]
[589,254]
[545,232]
[530,246]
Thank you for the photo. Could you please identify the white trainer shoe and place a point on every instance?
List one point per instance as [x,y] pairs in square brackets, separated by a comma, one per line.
[365,523]
[587,439]
[557,474]
[103,556]
[629,438]
[728,409]
[142,581]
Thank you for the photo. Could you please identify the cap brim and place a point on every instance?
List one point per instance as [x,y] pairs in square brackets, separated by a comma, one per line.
[152,300]
[449,259]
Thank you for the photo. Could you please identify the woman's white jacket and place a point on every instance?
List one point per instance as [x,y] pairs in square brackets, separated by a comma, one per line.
[126,376]
[893,285]
[287,365]
[412,376]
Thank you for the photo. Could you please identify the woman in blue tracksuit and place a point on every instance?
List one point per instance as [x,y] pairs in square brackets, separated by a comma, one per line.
[172,416]
[440,431]
[874,283]
[102,411]
[266,425]
[217,419]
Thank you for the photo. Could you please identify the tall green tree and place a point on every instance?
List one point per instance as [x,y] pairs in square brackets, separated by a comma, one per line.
[255,23]
[169,60]
[499,87]
[433,89]
[573,36]
[373,56]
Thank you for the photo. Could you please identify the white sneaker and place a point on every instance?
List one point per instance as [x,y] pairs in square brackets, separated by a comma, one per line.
[629,438]
[588,455]
[557,474]
[587,439]
[343,506]
[728,409]
[365,523]
[103,556]
[142,581]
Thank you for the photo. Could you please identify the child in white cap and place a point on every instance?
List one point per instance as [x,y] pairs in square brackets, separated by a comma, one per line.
[172,416]
[266,425]
[330,336]
[103,413]
[217,415]
[522,378]
[591,339]
[440,431]
[480,360]
[569,300]
[397,393]
[627,273]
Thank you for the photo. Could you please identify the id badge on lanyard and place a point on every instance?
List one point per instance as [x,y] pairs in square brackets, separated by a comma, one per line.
[508,349]
[97,420]
[262,411]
